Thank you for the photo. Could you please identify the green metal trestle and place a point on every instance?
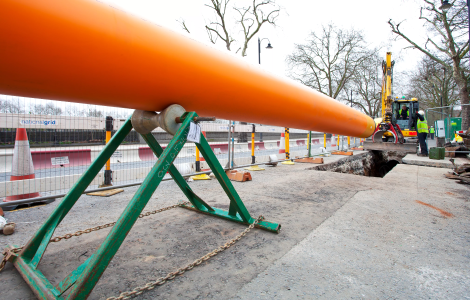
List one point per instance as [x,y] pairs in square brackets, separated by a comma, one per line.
[80,283]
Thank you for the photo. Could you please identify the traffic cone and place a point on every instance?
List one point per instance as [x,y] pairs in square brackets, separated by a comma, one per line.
[22,167]
[333,141]
[282,145]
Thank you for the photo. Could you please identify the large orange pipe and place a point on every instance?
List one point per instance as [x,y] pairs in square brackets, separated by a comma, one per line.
[88,52]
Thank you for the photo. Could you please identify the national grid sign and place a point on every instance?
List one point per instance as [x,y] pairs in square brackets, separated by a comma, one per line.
[51,122]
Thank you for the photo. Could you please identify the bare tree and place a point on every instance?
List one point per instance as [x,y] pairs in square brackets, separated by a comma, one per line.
[249,21]
[183,25]
[446,44]
[48,109]
[328,60]
[253,17]
[74,110]
[434,87]
[431,82]
[93,112]
[363,91]
[11,106]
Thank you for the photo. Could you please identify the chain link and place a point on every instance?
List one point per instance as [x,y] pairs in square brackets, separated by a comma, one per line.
[80,232]
[5,256]
[160,281]
[172,275]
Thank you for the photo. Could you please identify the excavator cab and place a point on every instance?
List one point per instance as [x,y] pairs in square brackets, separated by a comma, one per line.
[406,121]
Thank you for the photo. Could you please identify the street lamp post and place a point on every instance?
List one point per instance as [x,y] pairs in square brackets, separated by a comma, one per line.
[259,62]
[350,99]
[267,47]
[445,8]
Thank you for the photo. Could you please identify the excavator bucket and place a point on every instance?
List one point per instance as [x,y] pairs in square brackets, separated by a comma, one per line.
[395,142]
[379,134]
[389,146]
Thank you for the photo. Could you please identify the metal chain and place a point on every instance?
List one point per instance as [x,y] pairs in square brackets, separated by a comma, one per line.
[80,232]
[172,275]
[5,256]
[160,281]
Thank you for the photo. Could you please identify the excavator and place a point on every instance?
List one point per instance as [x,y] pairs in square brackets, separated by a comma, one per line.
[394,131]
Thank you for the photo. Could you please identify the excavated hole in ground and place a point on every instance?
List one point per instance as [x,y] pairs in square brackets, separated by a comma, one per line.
[371,163]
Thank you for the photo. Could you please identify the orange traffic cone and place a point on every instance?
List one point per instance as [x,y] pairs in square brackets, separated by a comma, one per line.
[282,144]
[333,141]
[22,167]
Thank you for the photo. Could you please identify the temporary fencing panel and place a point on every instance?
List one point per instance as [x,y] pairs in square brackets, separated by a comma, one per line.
[66,137]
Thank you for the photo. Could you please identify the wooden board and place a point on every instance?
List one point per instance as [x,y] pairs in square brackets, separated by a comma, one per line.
[106,193]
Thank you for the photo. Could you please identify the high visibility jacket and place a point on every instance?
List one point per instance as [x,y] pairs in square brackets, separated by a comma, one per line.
[422,126]
[407,112]
[431,130]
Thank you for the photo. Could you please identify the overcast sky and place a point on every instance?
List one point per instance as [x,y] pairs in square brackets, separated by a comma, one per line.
[297,20]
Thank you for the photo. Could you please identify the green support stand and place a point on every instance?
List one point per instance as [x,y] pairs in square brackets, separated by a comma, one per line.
[81,282]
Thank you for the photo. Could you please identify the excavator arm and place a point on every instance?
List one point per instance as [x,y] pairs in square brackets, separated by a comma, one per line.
[388,134]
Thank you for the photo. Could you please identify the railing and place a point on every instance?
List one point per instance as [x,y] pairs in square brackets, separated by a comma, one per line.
[62,146]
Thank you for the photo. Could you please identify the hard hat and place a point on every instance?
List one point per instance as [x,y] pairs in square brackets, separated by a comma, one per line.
[421,112]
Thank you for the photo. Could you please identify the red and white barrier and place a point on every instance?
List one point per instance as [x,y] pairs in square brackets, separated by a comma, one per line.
[270,145]
[259,146]
[22,166]
[282,144]
[46,158]
[61,158]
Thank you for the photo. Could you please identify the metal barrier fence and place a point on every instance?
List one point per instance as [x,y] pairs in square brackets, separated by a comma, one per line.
[64,138]
[445,113]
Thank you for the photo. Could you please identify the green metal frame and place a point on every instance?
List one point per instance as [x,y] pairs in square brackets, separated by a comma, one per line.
[81,282]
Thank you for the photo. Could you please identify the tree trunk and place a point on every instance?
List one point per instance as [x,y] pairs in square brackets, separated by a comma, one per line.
[464,99]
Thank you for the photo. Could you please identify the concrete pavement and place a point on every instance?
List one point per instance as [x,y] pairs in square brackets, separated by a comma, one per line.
[343,236]
[381,244]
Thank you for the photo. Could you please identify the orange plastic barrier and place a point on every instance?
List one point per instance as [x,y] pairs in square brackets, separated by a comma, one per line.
[88,52]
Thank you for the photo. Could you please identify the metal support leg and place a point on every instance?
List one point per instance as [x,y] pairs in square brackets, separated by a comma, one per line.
[28,259]
[183,185]
[100,260]
[237,211]
[82,281]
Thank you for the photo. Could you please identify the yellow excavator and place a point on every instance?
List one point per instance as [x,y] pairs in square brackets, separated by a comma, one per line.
[394,131]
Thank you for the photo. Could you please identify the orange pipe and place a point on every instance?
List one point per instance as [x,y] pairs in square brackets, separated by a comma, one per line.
[86,51]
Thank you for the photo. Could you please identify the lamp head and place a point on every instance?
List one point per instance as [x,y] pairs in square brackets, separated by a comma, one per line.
[445,6]
[269,46]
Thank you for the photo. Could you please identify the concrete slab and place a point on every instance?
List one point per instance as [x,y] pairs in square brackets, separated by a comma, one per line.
[381,244]
[331,225]
[413,159]
[298,199]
